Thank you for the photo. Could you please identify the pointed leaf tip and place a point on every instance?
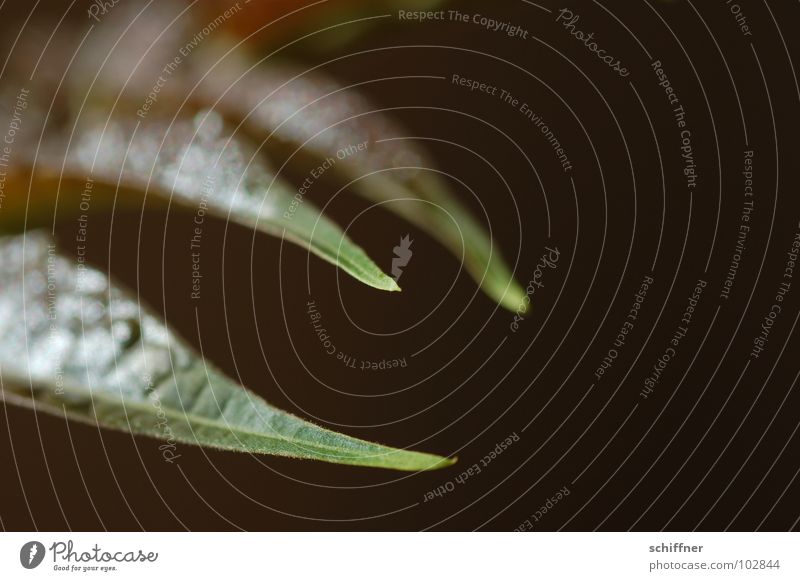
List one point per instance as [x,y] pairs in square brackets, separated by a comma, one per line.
[145,380]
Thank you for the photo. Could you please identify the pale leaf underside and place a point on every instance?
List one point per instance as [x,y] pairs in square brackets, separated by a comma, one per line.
[74,345]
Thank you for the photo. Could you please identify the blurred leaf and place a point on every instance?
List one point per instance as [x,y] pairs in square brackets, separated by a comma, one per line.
[307,111]
[284,105]
[323,26]
[198,164]
[74,345]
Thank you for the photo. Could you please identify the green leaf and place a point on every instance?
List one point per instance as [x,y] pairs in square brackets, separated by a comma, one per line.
[305,110]
[293,108]
[75,345]
[198,164]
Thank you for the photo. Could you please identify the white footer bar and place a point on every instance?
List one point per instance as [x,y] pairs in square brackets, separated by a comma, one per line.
[389,556]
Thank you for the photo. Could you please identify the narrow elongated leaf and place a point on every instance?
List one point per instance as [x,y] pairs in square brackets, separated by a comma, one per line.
[306,109]
[285,104]
[195,163]
[72,344]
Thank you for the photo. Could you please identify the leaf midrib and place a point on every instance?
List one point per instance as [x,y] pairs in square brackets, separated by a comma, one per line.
[174,413]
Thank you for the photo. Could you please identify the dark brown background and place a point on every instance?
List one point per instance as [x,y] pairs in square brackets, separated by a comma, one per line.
[58,476]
